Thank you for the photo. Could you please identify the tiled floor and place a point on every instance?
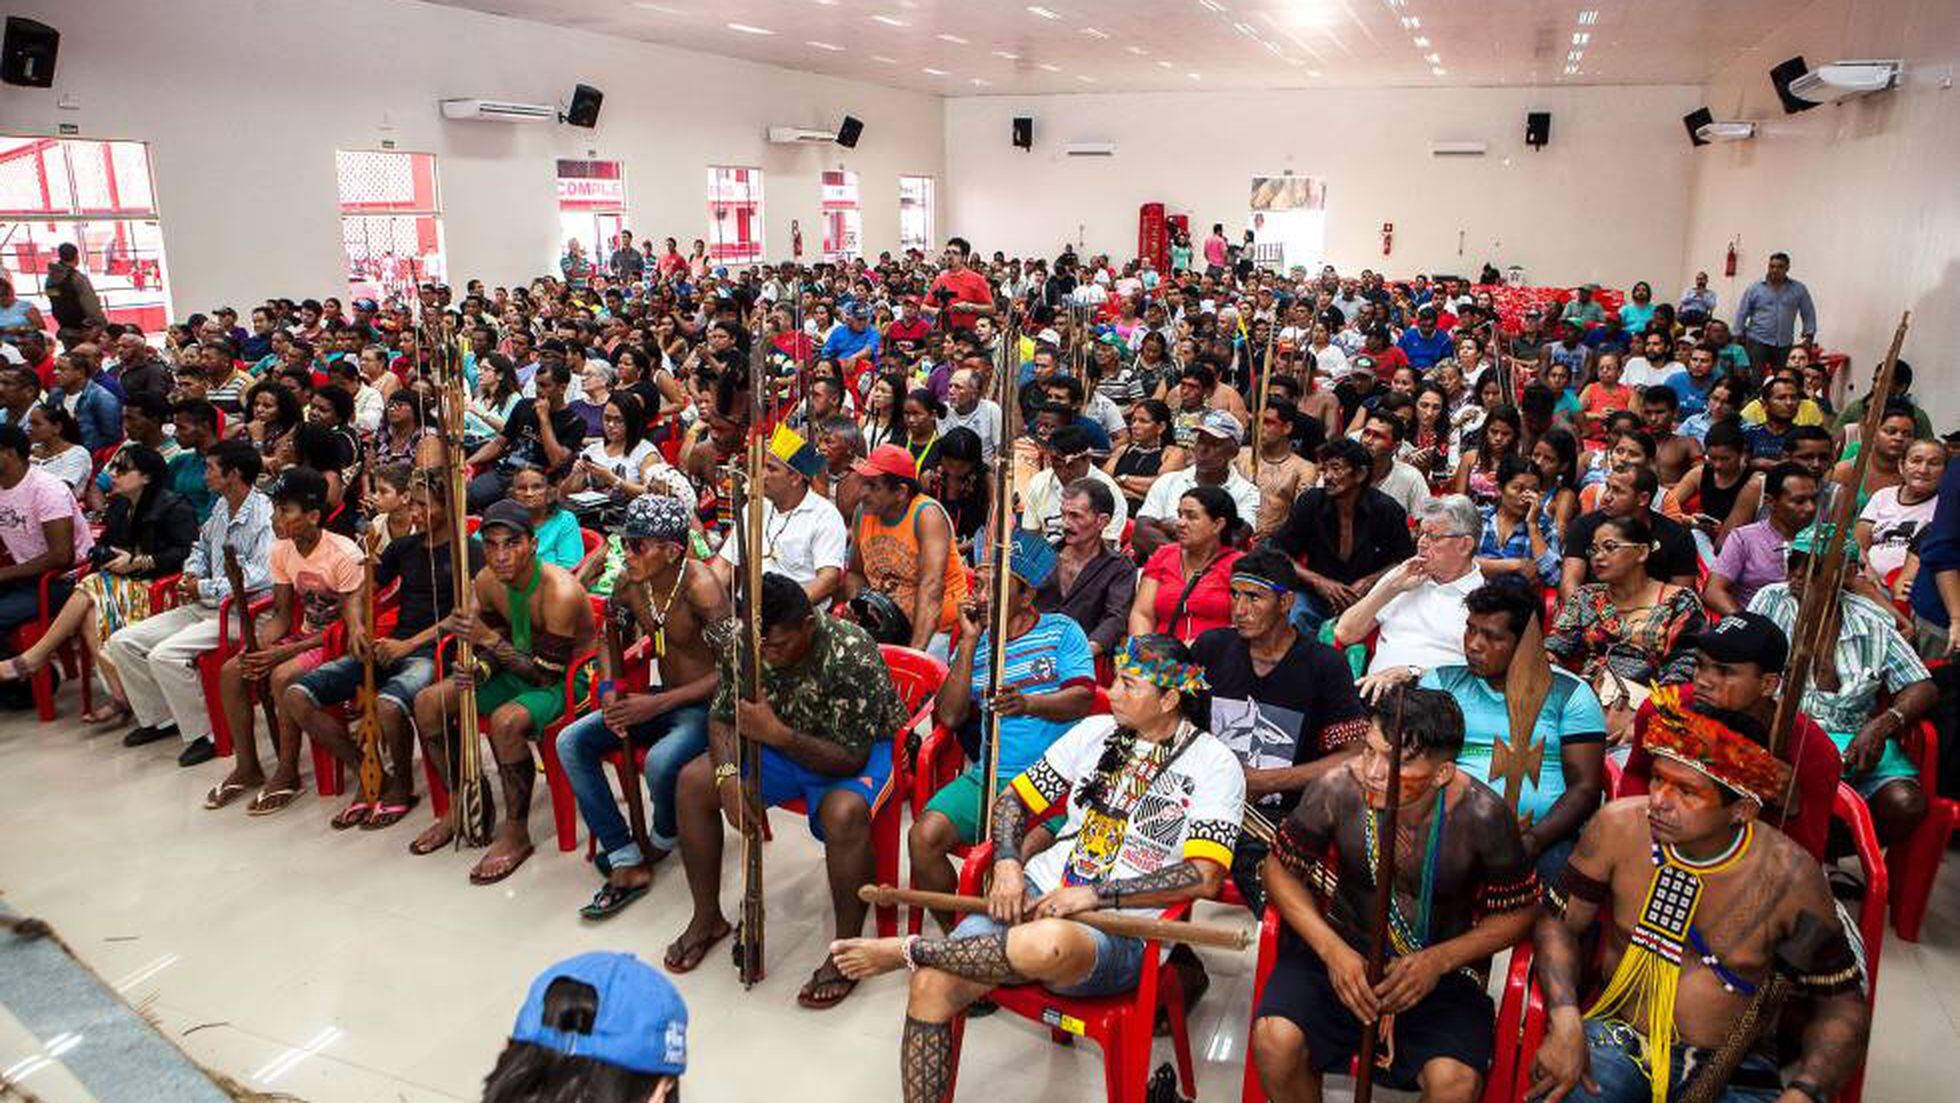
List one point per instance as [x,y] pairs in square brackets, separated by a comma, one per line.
[334,966]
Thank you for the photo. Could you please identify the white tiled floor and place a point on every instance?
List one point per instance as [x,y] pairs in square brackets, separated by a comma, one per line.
[335,966]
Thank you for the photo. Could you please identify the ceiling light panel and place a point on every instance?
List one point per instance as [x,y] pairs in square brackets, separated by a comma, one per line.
[744,28]
[1043,12]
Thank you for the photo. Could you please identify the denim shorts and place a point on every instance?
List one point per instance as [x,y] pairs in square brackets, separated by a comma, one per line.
[1119,959]
[337,682]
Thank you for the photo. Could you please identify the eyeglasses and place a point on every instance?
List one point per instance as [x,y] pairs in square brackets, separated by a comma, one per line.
[1425,534]
[1611,547]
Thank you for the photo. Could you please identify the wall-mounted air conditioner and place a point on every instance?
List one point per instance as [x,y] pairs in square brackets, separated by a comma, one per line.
[1725,130]
[1457,149]
[1089,149]
[498,111]
[800,135]
[1845,79]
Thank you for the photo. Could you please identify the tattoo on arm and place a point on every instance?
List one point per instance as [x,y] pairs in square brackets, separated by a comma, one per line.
[1166,885]
[1557,963]
[721,743]
[1010,826]
[1835,1041]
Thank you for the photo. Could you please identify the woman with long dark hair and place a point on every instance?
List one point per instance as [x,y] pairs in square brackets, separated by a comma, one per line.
[884,412]
[147,534]
[1556,456]
[404,436]
[1185,588]
[1138,461]
[1476,473]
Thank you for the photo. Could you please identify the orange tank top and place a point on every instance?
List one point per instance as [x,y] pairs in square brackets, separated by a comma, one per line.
[891,561]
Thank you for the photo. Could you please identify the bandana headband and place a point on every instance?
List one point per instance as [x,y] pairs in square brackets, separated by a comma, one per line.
[1162,673]
[1260,580]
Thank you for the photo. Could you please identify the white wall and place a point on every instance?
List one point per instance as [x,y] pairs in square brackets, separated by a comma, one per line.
[244,102]
[1607,200]
[1860,194]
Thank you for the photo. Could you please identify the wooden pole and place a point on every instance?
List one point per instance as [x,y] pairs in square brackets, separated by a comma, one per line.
[1364,1073]
[1001,536]
[748,517]
[1132,926]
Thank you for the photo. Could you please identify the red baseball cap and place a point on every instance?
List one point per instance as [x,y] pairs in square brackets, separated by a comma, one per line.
[888,459]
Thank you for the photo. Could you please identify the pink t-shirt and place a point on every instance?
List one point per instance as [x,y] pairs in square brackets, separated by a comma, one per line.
[318,580]
[39,497]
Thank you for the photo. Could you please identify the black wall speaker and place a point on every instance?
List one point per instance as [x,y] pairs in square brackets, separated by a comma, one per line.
[1695,120]
[1781,76]
[584,110]
[1024,131]
[27,54]
[1537,129]
[847,134]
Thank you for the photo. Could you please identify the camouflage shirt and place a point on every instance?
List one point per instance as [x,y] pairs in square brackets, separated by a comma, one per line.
[841,692]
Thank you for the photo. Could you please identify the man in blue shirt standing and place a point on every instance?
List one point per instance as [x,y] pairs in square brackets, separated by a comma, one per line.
[1425,344]
[853,341]
[1768,313]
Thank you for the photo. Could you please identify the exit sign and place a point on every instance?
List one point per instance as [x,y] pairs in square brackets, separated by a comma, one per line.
[68,129]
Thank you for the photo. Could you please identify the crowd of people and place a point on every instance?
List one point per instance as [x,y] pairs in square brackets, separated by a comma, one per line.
[1256,516]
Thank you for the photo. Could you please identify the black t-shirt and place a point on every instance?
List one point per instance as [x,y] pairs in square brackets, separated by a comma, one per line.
[1304,708]
[1351,398]
[1312,535]
[426,594]
[1674,558]
[522,446]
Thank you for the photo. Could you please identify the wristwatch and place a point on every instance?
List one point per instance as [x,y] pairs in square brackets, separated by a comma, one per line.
[725,771]
[1816,1094]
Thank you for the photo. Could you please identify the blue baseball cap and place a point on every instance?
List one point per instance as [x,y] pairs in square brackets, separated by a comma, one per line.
[641,1025]
[1033,558]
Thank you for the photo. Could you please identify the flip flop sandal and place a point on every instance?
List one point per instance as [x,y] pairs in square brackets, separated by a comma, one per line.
[354,815]
[222,794]
[807,997]
[611,899]
[479,877]
[109,715]
[698,950]
[388,815]
[269,803]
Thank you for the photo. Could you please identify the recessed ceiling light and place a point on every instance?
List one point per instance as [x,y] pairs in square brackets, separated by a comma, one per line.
[744,28]
[1438,70]
[882,59]
[936,72]
[1588,17]
[976,81]
[1581,38]
[1008,56]
[1193,76]
[661,8]
[1093,32]
[1576,55]
[1043,12]
[953,38]
[891,20]
[1411,23]
[1138,51]
[1050,68]
[1212,5]
[1165,65]
[1313,72]
[1244,28]
[1433,59]
[1571,70]
[1421,41]
[831,46]
[1085,80]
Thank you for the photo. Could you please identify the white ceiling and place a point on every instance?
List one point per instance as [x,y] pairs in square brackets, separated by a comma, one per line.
[995,47]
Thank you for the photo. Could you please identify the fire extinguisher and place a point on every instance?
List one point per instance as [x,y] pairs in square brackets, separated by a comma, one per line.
[1388,238]
[796,239]
[1728,265]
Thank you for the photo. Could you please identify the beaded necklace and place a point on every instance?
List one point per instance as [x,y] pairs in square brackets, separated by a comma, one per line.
[1408,938]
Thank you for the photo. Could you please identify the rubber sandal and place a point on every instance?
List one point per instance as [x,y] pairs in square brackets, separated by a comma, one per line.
[479,877]
[222,794]
[387,815]
[698,950]
[806,997]
[109,715]
[354,815]
[273,802]
[611,899]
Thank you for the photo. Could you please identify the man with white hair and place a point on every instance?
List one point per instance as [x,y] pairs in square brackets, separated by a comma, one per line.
[966,408]
[1418,605]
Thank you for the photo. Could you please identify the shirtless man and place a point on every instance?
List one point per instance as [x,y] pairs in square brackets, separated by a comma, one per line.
[528,620]
[667,600]
[1739,889]
[1660,410]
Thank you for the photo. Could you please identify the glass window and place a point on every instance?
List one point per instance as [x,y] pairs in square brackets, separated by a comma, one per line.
[915,213]
[734,215]
[591,212]
[390,220]
[94,195]
[843,222]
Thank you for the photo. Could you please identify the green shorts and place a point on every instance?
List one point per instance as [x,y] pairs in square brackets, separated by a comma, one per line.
[1893,765]
[959,801]
[545,704]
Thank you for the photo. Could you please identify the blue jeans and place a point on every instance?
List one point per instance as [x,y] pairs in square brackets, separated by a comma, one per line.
[1620,1069]
[1118,967]
[673,739]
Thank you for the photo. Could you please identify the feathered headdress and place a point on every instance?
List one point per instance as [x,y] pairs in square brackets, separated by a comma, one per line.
[1727,757]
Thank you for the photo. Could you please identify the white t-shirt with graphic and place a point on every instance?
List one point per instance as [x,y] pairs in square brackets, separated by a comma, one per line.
[1192,808]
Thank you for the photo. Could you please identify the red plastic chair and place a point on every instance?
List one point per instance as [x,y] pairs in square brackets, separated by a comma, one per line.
[1120,1025]
[594,544]
[211,663]
[940,761]
[73,654]
[1914,863]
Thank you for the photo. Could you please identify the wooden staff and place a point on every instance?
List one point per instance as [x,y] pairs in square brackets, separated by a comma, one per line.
[470,789]
[370,773]
[1001,535]
[1129,926]
[1371,1032]
[629,780]
[746,487]
[248,638]
[1824,573]
[1795,956]
[1263,382]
